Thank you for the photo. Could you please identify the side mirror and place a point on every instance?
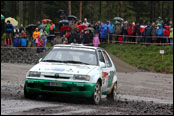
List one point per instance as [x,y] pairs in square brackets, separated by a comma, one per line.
[102,64]
[40,59]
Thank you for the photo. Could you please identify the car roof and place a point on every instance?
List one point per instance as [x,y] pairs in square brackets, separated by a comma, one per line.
[76,46]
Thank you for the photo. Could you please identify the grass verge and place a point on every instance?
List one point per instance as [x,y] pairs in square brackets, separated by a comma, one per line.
[146,57]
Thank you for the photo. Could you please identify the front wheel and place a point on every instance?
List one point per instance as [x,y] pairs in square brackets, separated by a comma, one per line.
[96,98]
[113,94]
[28,95]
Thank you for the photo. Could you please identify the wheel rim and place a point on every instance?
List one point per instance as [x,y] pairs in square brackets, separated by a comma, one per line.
[115,92]
[97,94]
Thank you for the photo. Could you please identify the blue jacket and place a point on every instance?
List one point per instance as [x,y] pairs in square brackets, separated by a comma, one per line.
[159,32]
[9,27]
[104,31]
[111,28]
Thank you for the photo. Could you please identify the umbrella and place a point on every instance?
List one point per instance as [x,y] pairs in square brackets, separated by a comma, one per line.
[63,22]
[70,17]
[118,19]
[2,17]
[12,21]
[89,28]
[46,20]
[42,26]
[82,26]
[30,27]
[64,28]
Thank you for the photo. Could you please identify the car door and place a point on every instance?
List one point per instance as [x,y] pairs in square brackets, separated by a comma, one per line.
[106,71]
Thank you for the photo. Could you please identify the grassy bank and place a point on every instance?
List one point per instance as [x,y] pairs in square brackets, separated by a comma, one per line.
[144,56]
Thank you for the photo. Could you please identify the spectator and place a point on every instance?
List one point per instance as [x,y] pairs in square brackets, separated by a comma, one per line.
[52,28]
[65,40]
[171,35]
[96,41]
[142,30]
[153,33]
[47,27]
[147,32]
[130,31]
[85,22]
[23,34]
[159,21]
[38,23]
[9,31]
[159,33]
[90,37]
[44,35]
[35,35]
[103,34]
[124,31]
[111,31]
[166,33]
[137,32]
[21,28]
[16,30]
[117,30]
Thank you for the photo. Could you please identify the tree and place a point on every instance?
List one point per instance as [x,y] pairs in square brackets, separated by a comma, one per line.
[80,10]
[69,7]
[21,11]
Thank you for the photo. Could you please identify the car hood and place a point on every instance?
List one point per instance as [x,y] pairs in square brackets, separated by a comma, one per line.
[63,68]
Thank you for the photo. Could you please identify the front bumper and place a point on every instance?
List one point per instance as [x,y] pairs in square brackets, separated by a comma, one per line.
[36,86]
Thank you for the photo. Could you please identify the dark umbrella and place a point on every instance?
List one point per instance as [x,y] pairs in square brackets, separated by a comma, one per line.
[30,27]
[70,17]
[64,28]
[42,26]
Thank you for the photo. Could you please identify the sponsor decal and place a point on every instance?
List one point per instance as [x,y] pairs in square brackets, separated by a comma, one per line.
[104,74]
[83,67]
[57,69]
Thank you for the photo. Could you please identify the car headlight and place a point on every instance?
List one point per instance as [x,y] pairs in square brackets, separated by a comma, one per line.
[82,77]
[34,74]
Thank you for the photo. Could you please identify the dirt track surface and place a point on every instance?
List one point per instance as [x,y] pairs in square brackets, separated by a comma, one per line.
[139,93]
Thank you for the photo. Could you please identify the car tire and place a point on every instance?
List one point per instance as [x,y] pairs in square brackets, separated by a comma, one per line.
[113,95]
[96,98]
[28,95]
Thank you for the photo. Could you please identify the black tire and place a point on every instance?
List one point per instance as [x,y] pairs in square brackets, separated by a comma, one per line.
[28,95]
[113,95]
[96,98]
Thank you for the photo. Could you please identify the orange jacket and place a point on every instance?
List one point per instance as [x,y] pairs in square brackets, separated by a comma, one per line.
[35,34]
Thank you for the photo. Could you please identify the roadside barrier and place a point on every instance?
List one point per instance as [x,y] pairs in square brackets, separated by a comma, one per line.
[118,42]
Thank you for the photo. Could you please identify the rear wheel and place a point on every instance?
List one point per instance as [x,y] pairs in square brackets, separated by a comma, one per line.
[113,94]
[96,98]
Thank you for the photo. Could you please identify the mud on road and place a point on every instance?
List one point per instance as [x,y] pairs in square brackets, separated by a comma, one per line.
[139,93]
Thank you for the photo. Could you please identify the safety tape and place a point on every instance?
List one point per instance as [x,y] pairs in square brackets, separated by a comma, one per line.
[141,36]
[120,42]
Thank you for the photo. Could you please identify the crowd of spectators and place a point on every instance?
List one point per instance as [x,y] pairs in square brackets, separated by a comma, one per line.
[99,32]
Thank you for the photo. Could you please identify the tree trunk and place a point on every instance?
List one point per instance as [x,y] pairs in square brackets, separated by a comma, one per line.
[21,11]
[99,11]
[121,9]
[69,7]
[159,8]
[80,10]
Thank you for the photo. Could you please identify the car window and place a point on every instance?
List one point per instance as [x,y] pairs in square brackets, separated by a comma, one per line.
[108,62]
[84,56]
[101,58]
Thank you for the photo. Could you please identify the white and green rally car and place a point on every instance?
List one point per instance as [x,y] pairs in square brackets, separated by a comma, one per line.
[73,70]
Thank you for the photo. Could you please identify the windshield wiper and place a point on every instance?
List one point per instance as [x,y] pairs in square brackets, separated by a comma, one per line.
[52,61]
[76,62]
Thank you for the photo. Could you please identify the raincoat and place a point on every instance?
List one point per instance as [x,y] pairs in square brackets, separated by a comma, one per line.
[111,28]
[96,41]
[131,29]
[160,31]
[166,31]
[103,33]
[171,33]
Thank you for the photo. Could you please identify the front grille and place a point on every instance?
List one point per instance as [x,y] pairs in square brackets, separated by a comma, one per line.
[50,88]
[48,76]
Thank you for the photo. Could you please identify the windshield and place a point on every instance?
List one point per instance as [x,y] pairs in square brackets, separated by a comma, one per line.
[75,56]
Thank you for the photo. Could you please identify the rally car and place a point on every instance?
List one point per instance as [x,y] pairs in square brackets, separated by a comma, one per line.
[73,70]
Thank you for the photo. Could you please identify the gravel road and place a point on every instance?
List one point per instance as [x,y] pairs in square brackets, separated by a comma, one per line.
[139,93]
